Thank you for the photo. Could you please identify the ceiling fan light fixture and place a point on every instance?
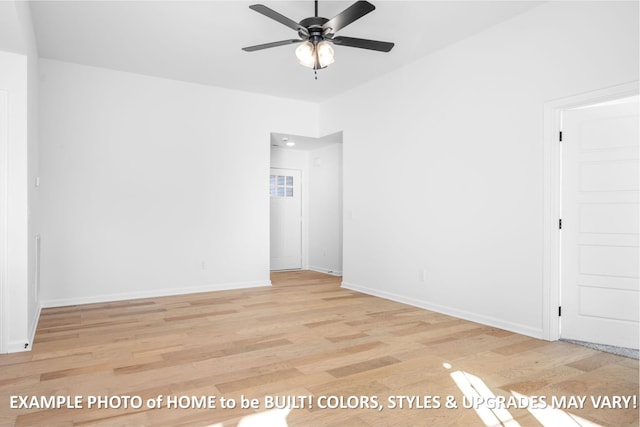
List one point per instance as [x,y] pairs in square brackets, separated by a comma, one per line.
[315,56]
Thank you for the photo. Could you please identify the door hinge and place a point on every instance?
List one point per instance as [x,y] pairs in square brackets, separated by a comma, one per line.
[560,136]
[560,224]
[559,311]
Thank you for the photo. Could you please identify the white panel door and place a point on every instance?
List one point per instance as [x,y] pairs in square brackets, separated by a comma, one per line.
[286,219]
[600,224]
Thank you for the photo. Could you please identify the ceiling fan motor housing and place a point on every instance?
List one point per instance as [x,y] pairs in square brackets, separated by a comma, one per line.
[314,27]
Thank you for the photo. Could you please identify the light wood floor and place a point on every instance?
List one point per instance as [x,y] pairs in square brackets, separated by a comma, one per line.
[307,337]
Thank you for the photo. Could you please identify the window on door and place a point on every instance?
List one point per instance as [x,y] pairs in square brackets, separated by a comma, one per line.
[280,186]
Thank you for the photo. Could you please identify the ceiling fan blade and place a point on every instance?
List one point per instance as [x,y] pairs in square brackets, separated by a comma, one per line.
[270,13]
[363,43]
[349,15]
[268,45]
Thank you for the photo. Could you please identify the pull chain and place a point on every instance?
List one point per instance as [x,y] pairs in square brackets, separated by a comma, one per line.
[315,72]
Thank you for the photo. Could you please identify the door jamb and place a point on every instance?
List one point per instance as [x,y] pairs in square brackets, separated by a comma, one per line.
[4,253]
[552,196]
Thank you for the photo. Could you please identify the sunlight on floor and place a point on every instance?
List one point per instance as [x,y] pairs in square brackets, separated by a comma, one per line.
[493,414]
[271,418]
[274,418]
[556,417]
[477,392]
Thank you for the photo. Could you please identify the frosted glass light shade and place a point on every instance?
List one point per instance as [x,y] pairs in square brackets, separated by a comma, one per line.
[325,54]
[305,54]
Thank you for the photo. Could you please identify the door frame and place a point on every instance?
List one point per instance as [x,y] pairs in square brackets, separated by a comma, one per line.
[552,202]
[4,252]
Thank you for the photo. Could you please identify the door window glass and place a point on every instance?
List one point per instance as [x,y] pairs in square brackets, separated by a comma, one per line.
[280,186]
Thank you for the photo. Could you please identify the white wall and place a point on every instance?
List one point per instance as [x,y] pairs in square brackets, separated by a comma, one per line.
[19,81]
[152,186]
[11,31]
[325,209]
[443,175]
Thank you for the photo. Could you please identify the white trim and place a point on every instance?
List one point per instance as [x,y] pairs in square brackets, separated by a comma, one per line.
[4,140]
[450,311]
[61,302]
[36,272]
[551,201]
[34,327]
[17,347]
[324,270]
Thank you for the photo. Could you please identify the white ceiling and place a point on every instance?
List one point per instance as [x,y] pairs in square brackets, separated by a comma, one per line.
[201,41]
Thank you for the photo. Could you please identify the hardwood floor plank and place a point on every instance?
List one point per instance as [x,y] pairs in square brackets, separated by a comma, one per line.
[256,346]
[356,368]
[249,382]
[63,373]
[348,337]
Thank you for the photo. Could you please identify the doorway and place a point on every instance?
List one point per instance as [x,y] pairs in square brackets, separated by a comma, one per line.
[319,163]
[590,229]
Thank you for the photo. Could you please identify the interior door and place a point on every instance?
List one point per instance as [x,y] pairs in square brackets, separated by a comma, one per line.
[286,219]
[600,224]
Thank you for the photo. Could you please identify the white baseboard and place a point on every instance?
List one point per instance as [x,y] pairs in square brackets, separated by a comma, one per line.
[18,346]
[450,311]
[325,270]
[61,302]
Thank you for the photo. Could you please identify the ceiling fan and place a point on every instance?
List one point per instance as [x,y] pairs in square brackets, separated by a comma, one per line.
[317,34]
